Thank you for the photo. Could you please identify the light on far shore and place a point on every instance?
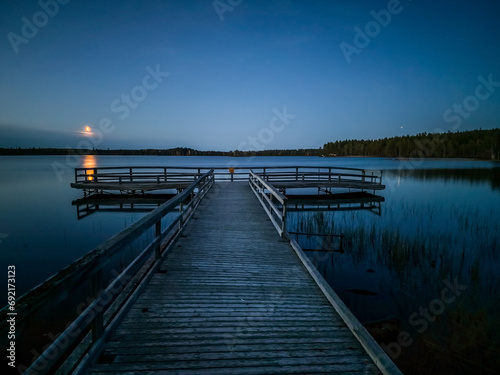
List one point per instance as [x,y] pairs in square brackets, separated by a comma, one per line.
[88,129]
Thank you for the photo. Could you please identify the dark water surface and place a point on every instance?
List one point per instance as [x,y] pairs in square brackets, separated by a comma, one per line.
[422,272]
[426,263]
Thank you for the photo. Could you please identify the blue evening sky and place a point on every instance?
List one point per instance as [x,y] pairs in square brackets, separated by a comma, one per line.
[233,74]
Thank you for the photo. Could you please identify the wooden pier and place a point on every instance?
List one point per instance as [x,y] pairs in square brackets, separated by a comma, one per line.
[134,180]
[232,297]
[221,289]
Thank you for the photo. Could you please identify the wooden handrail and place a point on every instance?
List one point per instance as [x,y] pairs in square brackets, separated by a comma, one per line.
[377,354]
[259,187]
[262,182]
[105,294]
[280,197]
[249,167]
[94,174]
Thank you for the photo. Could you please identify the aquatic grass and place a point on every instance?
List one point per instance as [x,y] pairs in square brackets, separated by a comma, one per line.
[413,246]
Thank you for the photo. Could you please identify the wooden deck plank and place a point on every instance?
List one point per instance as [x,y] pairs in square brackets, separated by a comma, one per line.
[136,186]
[229,338]
[261,370]
[203,360]
[237,364]
[232,298]
[209,347]
[261,342]
[355,184]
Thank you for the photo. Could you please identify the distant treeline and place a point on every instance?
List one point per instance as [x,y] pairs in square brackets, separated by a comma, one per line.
[478,144]
[178,151]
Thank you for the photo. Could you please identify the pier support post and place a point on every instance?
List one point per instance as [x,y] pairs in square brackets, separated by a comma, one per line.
[283,221]
[181,208]
[158,234]
[95,290]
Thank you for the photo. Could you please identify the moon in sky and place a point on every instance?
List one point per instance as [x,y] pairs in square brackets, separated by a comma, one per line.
[88,129]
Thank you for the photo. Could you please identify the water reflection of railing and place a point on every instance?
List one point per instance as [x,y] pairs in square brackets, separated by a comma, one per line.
[119,203]
[338,202]
[312,238]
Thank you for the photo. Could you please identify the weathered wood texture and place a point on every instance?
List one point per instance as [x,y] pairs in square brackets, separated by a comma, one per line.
[131,186]
[232,298]
[346,184]
[141,179]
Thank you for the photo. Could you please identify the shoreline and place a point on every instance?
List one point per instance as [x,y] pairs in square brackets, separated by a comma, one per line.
[137,153]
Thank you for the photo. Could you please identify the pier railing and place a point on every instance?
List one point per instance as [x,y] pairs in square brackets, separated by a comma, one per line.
[321,174]
[110,295]
[151,174]
[272,200]
[138,174]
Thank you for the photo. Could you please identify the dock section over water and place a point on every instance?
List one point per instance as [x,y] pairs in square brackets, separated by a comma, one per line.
[134,180]
[232,297]
[209,282]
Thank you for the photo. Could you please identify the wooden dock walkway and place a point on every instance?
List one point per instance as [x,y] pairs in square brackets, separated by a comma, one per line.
[232,297]
[139,180]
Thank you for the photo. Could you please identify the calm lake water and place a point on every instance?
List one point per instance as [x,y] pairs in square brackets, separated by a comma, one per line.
[425,261]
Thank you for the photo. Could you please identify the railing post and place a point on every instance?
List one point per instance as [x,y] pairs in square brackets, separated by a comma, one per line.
[181,208]
[95,289]
[95,174]
[283,220]
[158,234]
[130,172]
